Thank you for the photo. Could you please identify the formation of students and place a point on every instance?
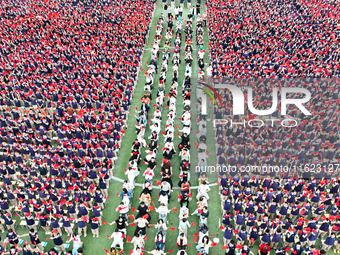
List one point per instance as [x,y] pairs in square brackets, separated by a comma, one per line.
[68,73]
[184,147]
[274,39]
[142,219]
[301,216]
[203,239]
[311,140]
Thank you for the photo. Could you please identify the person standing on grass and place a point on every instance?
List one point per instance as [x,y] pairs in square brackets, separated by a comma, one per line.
[121,224]
[182,242]
[231,248]
[67,225]
[58,241]
[159,240]
[95,227]
[82,227]
[77,243]
[329,242]
[183,226]
[264,249]
[34,238]
[185,188]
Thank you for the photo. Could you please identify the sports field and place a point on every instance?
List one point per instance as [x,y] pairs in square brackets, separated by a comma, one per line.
[96,245]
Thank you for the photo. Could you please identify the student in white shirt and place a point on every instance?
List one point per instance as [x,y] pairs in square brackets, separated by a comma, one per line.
[117,239]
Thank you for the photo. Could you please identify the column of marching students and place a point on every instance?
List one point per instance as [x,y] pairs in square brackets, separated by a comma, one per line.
[142,219]
[203,237]
[184,147]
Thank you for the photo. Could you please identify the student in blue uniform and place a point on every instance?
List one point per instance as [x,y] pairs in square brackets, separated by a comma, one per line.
[280,251]
[95,227]
[266,237]
[329,242]
[228,235]
[242,236]
[250,207]
[297,249]
[276,238]
[12,237]
[250,222]
[289,238]
[58,241]
[313,236]
[227,205]
[13,251]
[246,250]
[295,211]
[303,237]
[26,250]
[253,236]
[231,248]
[34,239]
[239,220]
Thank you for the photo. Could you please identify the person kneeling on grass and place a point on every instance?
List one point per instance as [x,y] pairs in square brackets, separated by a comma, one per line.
[156,251]
[117,239]
[112,251]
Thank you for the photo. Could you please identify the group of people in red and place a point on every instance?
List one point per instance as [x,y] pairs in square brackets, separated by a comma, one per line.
[68,72]
[255,44]
[280,214]
[276,39]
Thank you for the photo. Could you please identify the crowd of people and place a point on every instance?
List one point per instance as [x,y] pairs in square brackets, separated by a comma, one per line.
[308,145]
[274,39]
[254,44]
[142,219]
[202,238]
[68,72]
[297,215]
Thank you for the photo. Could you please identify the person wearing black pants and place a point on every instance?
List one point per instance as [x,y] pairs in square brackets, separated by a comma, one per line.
[141,226]
[198,7]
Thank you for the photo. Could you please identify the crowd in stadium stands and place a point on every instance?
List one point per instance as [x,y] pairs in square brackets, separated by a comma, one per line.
[68,71]
[280,39]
